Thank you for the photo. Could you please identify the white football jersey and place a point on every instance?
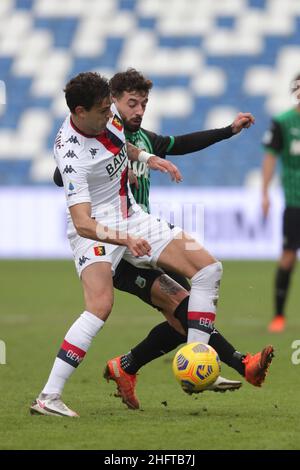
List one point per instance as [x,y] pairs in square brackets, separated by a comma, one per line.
[95,170]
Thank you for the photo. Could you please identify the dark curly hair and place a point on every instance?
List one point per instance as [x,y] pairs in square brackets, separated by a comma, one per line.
[131,80]
[86,89]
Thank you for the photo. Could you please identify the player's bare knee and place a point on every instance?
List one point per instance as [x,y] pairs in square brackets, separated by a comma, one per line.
[100,306]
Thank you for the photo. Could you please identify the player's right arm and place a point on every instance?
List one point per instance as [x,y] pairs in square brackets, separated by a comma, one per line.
[87,227]
[273,144]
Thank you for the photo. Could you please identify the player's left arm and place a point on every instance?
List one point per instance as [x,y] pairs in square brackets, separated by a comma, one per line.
[195,141]
[154,162]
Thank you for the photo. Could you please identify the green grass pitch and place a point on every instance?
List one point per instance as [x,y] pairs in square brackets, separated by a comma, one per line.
[40,300]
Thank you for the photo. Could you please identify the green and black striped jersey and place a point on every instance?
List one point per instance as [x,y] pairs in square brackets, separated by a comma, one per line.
[283,140]
[154,144]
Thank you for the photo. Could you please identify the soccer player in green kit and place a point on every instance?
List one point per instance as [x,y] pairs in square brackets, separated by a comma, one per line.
[130,92]
[282,142]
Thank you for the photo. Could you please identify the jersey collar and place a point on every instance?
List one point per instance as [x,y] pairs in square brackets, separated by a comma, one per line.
[82,133]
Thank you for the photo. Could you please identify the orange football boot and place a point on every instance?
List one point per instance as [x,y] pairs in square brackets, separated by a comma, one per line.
[125,382]
[256,367]
[277,325]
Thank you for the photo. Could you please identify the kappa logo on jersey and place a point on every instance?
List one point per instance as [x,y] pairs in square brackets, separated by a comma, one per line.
[99,250]
[93,152]
[114,168]
[117,123]
[73,140]
[70,154]
[82,260]
[69,169]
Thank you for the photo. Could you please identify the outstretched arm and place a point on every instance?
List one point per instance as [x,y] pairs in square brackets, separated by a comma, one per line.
[188,143]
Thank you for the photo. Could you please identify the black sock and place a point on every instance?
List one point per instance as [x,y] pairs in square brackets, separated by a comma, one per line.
[227,353]
[282,282]
[162,339]
[181,313]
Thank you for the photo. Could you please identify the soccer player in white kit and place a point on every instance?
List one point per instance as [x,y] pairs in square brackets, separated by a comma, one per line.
[105,224]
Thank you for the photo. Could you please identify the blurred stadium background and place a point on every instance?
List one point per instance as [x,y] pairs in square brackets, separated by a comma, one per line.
[207,59]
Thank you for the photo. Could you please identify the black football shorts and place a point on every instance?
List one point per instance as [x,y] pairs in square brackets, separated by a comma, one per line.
[291,228]
[138,282]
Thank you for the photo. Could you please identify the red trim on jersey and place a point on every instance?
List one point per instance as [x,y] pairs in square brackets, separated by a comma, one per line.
[82,133]
[123,192]
[108,143]
[198,315]
[70,347]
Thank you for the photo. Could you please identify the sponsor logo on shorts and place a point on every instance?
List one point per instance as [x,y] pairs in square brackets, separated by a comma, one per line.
[99,250]
[140,282]
[82,260]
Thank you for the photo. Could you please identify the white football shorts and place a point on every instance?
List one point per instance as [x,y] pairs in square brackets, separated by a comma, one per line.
[159,233]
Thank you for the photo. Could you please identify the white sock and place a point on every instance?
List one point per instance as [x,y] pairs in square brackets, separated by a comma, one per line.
[73,349]
[202,303]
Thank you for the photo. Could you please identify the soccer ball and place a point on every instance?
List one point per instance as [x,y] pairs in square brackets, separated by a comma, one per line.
[196,366]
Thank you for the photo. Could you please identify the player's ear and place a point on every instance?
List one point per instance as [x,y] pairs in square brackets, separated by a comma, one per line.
[80,111]
[113,98]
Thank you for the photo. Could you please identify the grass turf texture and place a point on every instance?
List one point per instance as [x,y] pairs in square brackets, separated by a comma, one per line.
[41,299]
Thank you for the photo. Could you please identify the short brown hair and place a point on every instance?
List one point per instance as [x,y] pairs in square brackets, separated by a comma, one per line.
[131,80]
[86,89]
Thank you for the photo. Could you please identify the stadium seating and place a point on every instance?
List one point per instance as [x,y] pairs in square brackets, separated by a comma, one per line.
[208,60]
